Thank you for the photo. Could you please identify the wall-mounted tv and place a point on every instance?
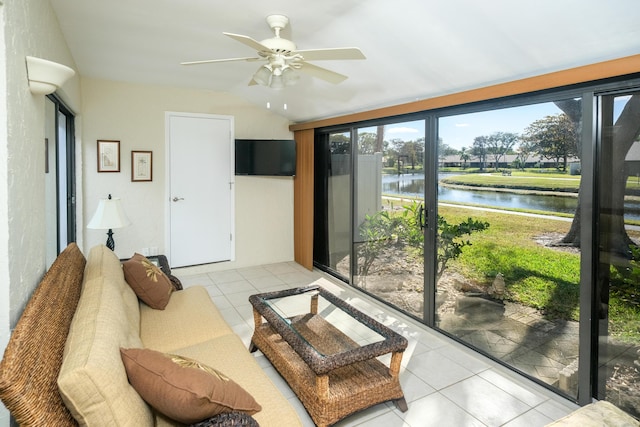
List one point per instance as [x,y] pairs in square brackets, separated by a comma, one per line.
[267,157]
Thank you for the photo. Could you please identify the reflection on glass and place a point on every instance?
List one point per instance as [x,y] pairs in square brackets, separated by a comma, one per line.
[508,281]
[388,241]
[339,202]
[618,304]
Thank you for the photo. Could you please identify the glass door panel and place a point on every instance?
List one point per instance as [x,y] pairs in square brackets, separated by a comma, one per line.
[332,242]
[508,267]
[388,240]
[618,268]
[339,203]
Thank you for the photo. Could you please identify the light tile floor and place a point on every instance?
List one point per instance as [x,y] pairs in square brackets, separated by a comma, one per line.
[445,383]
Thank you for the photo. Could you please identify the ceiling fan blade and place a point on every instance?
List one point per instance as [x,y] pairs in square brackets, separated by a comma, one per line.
[254,44]
[335,53]
[209,61]
[322,73]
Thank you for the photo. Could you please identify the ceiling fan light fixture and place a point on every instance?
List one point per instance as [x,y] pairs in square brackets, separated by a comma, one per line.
[276,82]
[263,75]
[289,77]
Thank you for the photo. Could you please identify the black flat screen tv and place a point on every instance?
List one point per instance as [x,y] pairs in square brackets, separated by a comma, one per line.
[266,157]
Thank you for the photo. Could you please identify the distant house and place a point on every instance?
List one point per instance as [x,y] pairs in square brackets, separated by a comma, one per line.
[506,161]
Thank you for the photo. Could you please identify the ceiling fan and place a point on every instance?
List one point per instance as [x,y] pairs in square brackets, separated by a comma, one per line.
[284,60]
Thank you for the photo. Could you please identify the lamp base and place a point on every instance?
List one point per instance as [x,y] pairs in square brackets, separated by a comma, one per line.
[110,243]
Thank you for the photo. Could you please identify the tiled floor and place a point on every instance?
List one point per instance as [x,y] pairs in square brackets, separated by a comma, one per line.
[445,384]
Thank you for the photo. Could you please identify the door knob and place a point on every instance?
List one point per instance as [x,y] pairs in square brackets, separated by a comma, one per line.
[177,199]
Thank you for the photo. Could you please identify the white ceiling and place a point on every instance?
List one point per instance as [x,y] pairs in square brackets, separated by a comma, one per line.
[415,49]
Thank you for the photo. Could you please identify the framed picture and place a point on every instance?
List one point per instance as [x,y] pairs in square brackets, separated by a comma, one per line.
[141,166]
[108,156]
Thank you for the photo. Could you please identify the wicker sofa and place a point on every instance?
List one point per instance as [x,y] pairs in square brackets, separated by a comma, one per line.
[79,318]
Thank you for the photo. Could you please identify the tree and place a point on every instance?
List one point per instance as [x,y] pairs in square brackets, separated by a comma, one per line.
[499,144]
[445,150]
[464,156]
[408,151]
[624,132]
[340,144]
[367,142]
[525,150]
[555,138]
[479,150]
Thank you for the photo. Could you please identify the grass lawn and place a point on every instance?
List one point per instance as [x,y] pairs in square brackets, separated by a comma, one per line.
[518,180]
[528,181]
[536,276]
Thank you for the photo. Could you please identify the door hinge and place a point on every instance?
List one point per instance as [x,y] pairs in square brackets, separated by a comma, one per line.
[231,237]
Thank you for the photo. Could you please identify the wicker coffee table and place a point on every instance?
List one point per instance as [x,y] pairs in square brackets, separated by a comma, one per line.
[328,354]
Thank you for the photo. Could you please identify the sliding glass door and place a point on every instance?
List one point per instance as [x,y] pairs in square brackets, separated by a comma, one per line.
[618,260]
[59,177]
[369,216]
[388,242]
[508,274]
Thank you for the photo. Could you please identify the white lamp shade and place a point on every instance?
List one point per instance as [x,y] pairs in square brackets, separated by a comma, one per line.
[46,76]
[276,82]
[262,76]
[109,215]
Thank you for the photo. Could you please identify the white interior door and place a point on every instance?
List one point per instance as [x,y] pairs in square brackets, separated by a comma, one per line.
[201,179]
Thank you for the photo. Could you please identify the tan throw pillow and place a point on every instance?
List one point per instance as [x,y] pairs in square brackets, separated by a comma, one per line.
[184,389]
[149,283]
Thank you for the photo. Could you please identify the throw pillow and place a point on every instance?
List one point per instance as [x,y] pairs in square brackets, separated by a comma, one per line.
[184,389]
[149,283]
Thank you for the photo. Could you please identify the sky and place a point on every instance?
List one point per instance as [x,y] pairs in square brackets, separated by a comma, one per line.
[459,131]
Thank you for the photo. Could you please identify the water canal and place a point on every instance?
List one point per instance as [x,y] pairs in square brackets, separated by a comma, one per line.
[413,185]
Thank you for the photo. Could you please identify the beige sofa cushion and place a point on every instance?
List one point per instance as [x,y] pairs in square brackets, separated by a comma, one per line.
[92,380]
[189,318]
[229,355]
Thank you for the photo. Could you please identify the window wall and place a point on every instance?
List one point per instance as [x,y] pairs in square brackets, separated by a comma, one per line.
[510,226]
[508,282]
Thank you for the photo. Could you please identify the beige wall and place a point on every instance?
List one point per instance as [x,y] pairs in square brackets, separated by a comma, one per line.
[29,27]
[135,115]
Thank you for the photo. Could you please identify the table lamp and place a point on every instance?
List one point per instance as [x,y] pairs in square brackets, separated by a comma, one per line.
[109,215]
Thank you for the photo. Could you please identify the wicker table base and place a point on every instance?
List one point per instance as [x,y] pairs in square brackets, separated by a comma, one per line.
[333,395]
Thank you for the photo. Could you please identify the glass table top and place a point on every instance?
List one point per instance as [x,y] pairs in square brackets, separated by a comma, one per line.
[315,315]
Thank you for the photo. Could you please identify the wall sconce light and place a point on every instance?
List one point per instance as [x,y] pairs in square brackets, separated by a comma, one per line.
[109,215]
[46,76]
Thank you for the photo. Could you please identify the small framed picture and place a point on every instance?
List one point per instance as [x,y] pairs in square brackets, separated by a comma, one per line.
[141,166]
[108,156]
